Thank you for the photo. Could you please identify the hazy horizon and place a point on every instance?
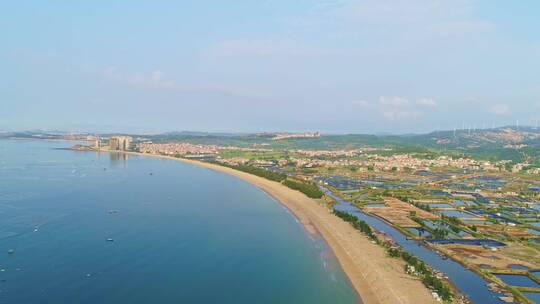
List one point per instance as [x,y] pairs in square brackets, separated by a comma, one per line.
[225,132]
[372,66]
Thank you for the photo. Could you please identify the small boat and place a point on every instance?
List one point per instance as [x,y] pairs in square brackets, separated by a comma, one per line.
[110,240]
[11,251]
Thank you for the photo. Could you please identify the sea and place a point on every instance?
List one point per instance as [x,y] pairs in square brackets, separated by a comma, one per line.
[89,227]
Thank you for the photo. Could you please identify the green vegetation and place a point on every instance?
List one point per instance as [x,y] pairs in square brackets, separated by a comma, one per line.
[309,189]
[356,223]
[274,176]
[439,233]
[428,277]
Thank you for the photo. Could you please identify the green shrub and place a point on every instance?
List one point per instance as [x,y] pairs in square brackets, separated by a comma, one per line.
[309,189]
[274,176]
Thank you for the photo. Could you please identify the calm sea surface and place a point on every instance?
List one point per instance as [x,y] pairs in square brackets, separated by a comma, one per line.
[180,234]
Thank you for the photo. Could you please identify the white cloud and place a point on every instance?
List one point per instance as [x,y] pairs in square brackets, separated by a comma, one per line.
[401,108]
[426,102]
[266,47]
[157,80]
[400,114]
[397,108]
[500,109]
[393,101]
[360,103]
[154,79]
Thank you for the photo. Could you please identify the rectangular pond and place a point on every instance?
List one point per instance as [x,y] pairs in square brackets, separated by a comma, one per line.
[476,222]
[533,296]
[440,205]
[535,232]
[476,242]
[419,232]
[517,280]
[457,213]
[374,205]
[535,224]
[435,224]
[461,203]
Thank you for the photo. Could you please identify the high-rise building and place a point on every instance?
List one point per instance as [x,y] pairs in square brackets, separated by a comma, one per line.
[121,143]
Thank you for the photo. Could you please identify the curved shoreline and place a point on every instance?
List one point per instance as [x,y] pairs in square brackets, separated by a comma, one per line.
[376,277]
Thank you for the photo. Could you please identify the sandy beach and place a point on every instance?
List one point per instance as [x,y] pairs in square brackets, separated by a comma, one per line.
[375,276]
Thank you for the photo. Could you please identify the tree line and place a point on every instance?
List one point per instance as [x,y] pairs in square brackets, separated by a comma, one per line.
[309,189]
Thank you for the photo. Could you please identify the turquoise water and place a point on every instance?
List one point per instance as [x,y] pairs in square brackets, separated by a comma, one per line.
[182,234]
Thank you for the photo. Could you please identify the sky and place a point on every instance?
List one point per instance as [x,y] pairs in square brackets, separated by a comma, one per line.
[366,66]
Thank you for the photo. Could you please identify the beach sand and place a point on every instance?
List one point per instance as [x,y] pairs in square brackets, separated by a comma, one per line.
[375,276]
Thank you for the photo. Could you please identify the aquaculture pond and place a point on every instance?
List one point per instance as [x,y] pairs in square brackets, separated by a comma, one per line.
[457,213]
[438,192]
[461,203]
[536,232]
[520,267]
[468,282]
[536,224]
[419,232]
[490,182]
[440,205]
[533,296]
[517,280]
[435,224]
[477,222]
[475,242]
[374,205]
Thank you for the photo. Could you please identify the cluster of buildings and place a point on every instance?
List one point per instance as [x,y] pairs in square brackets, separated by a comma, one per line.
[403,161]
[388,163]
[178,149]
[329,153]
[120,143]
[233,161]
[279,136]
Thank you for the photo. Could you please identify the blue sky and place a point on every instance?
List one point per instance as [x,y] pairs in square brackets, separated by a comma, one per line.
[366,66]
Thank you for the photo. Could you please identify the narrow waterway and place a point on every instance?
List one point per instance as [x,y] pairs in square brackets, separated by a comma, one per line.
[468,282]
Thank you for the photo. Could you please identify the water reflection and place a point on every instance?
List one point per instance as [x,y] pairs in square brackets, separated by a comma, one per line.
[118,159]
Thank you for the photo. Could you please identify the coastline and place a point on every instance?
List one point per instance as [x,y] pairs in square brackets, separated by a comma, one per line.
[376,277]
